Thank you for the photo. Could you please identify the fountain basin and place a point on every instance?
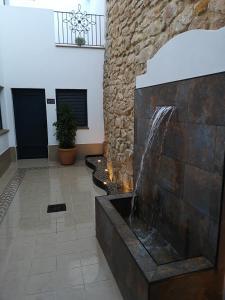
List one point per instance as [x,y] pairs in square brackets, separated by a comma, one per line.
[138,275]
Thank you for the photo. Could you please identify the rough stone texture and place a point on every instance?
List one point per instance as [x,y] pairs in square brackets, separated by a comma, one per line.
[135,32]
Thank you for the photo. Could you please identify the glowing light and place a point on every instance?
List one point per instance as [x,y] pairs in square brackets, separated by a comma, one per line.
[105,183]
[106,170]
[99,160]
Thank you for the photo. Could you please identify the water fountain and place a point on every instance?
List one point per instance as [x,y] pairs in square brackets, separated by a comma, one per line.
[167,239]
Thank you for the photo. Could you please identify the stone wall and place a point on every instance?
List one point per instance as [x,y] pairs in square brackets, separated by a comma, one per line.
[136,29]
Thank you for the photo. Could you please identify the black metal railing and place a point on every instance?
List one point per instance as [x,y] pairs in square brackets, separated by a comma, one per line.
[79,28]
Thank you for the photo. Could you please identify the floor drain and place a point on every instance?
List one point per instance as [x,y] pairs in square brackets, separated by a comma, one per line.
[56,208]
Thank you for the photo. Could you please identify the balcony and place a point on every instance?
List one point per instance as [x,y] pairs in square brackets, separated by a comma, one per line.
[77,28]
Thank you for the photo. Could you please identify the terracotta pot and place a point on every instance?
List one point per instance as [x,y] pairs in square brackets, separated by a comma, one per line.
[67,156]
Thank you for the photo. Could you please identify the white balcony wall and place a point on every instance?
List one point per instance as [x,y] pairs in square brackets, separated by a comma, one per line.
[30,59]
[92,7]
[1,59]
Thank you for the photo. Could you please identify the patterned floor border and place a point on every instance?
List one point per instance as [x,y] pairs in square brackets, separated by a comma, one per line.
[9,192]
[12,187]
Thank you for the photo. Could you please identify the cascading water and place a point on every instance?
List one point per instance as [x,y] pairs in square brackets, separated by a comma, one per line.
[147,233]
[154,125]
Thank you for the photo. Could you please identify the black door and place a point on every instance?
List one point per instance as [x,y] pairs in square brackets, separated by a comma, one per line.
[30,123]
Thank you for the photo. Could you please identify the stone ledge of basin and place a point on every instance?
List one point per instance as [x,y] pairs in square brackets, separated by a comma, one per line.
[178,268]
[115,196]
[110,211]
[153,272]
[134,246]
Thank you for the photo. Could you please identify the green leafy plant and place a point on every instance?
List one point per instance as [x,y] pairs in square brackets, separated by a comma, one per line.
[80,41]
[65,128]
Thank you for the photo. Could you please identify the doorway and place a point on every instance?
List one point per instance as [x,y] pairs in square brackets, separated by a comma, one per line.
[31,123]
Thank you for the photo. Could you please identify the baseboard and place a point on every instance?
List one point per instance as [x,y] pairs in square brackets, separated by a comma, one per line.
[13,154]
[82,151]
[6,158]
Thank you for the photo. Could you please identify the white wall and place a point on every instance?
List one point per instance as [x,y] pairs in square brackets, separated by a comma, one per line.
[190,54]
[4,139]
[1,60]
[4,143]
[31,60]
[93,7]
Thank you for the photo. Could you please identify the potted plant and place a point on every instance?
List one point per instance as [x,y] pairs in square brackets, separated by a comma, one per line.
[66,133]
[80,41]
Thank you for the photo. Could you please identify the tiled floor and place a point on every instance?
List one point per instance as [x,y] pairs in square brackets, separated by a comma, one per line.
[53,256]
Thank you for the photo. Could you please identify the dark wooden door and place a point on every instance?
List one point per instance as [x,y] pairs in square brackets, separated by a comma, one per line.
[30,123]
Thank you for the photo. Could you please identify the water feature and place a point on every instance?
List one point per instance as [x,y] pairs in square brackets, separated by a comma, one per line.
[159,115]
[166,241]
[160,249]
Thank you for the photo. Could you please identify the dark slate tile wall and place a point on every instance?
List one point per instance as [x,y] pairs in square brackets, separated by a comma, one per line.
[182,182]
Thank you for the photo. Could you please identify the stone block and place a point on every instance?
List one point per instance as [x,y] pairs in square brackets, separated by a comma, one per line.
[201,7]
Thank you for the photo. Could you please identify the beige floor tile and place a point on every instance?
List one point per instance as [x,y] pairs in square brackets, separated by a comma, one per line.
[85,230]
[15,291]
[44,296]
[101,290]
[40,283]
[21,268]
[21,252]
[68,261]
[66,236]
[87,244]
[66,226]
[53,256]
[43,265]
[75,293]
[68,278]
[92,258]
[67,247]
[96,272]
[45,238]
[45,250]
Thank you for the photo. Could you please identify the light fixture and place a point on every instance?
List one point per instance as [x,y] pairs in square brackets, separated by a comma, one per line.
[105,183]
[99,160]
[106,170]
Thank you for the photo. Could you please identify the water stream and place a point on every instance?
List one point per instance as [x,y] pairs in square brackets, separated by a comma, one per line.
[160,114]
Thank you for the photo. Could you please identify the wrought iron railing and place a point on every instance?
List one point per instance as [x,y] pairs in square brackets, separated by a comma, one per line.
[79,28]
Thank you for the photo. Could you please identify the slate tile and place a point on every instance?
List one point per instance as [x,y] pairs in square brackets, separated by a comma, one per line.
[202,190]
[201,146]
